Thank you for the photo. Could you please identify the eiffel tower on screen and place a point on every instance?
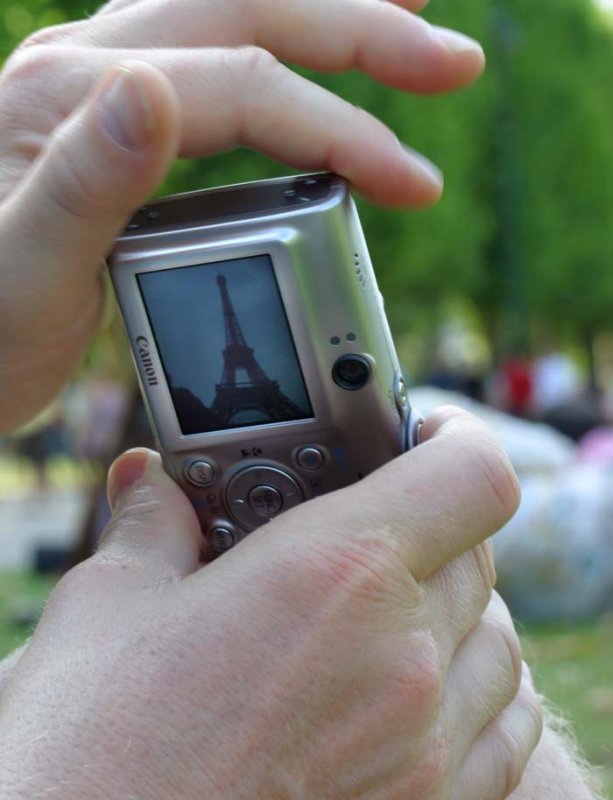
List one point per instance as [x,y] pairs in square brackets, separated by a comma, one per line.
[259,393]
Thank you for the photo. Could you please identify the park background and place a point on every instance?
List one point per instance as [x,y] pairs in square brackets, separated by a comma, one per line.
[515,258]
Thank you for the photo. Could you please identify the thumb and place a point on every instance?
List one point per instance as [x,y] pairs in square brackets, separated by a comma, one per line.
[154,528]
[56,228]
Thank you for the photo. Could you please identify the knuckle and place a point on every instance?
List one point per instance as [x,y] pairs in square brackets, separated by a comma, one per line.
[507,648]
[485,579]
[414,683]
[469,579]
[27,99]
[531,705]
[364,567]
[252,64]
[484,556]
[257,77]
[30,65]
[50,35]
[511,759]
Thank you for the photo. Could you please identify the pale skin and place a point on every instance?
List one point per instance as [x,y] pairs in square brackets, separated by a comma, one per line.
[353,648]
[350,649]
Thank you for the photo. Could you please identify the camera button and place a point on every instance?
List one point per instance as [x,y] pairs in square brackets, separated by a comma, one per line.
[265,501]
[310,458]
[401,394]
[200,473]
[221,539]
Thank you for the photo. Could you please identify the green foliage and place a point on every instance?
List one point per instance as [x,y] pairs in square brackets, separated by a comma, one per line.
[18,19]
[561,95]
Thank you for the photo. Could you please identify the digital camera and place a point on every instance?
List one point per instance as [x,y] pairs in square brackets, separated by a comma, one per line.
[262,347]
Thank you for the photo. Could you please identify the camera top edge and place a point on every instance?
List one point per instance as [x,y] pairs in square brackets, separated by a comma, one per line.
[234,202]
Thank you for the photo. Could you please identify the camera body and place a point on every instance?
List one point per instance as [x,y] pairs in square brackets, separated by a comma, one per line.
[263,351]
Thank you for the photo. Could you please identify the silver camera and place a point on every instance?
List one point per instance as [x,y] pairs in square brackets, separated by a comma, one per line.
[262,347]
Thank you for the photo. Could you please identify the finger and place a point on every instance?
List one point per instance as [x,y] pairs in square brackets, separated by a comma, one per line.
[121,5]
[275,111]
[244,96]
[484,675]
[495,763]
[456,596]
[152,542]
[154,529]
[61,221]
[427,507]
[380,38]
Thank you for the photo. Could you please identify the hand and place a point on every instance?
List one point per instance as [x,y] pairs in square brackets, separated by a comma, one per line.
[341,651]
[93,113]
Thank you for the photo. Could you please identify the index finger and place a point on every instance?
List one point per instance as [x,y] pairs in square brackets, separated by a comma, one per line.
[441,499]
[379,38]
[114,6]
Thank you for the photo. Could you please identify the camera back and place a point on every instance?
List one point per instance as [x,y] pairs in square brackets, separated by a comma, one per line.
[262,347]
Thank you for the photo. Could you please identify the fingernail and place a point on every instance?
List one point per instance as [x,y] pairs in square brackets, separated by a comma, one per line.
[454,42]
[424,168]
[127,115]
[124,473]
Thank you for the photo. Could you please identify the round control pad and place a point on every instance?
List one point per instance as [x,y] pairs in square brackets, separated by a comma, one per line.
[259,493]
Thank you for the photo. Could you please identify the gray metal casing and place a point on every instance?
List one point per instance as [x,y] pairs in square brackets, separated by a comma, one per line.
[309,227]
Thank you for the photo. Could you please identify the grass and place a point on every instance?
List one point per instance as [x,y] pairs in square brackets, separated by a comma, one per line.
[22,597]
[572,666]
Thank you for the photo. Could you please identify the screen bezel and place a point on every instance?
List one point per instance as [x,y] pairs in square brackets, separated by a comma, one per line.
[273,295]
[283,248]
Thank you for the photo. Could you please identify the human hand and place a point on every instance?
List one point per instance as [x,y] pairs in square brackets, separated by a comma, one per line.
[350,648]
[93,113]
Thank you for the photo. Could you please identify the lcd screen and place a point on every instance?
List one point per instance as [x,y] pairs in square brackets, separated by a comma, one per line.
[225,345]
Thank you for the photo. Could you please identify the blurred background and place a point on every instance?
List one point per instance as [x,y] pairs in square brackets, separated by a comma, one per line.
[500,299]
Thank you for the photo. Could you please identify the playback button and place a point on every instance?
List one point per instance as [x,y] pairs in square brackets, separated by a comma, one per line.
[200,473]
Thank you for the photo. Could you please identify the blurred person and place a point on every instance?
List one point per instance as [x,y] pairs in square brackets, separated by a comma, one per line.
[351,648]
[556,381]
[561,397]
[516,384]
